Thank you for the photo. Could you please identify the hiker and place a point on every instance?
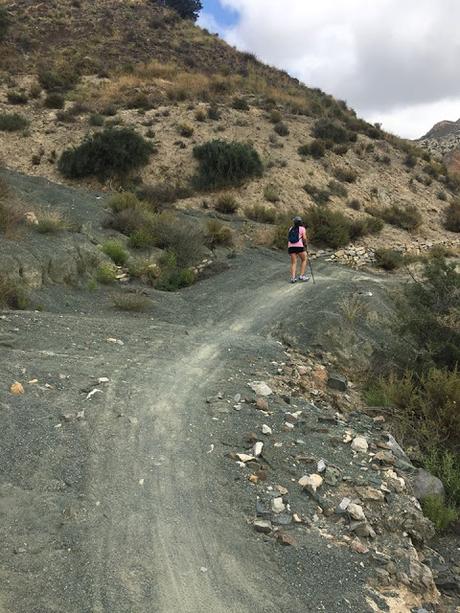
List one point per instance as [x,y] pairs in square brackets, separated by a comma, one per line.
[297,239]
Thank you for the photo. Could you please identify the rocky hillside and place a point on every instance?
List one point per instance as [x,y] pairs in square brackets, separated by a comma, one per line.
[444,140]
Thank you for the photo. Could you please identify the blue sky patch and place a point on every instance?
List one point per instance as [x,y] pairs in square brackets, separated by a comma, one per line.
[224,16]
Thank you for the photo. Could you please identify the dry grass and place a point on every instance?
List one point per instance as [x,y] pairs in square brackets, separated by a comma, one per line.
[131,302]
[50,222]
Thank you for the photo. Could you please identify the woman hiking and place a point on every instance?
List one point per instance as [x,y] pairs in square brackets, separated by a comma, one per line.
[297,239]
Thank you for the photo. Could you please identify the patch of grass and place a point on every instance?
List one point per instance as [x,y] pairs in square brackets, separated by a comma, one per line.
[50,222]
[54,100]
[200,116]
[17,97]
[58,80]
[13,122]
[240,104]
[213,113]
[112,152]
[224,163]
[389,259]
[12,295]
[261,213]
[272,193]
[406,217]
[281,129]
[96,120]
[106,274]
[452,216]
[226,203]
[337,189]
[185,130]
[116,252]
[275,117]
[172,276]
[133,302]
[317,149]
[217,234]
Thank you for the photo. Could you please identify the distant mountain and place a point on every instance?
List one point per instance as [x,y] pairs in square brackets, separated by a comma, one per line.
[444,140]
[443,129]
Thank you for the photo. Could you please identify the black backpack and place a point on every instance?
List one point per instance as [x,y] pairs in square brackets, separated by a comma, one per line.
[294,234]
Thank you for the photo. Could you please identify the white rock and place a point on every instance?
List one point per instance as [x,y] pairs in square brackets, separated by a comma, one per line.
[266,430]
[347,438]
[355,511]
[288,426]
[244,457]
[257,449]
[278,505]
[260,388]
[360,444]
[343,505]
[311,482]
[321,466]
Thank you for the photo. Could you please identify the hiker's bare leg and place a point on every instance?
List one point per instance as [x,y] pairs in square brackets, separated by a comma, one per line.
[303,266]
[293,265]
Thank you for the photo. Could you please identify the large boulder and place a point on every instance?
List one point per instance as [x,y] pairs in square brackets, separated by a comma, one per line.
[425,485]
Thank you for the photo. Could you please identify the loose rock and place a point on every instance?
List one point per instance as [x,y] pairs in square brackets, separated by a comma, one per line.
[266,430]
[278,505]
[426,484]
[311,482]
[355,511]
[360,444]
[263,525]
[261,388]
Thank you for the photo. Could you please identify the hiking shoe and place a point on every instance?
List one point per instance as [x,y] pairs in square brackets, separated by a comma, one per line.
[294,280]
[304,278]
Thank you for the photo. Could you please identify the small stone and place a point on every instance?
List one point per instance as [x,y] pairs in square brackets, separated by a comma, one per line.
[278,505]
[17,389]
[342,506]
[103,380]
[237,398]
[384,457]
[281,490]
[426,484]
[257,449]
[360,444]
[263,525]
[363,529]
[337,382]
[286,539]
[261,388]
[311,482]
[370,493]
[321,466]
[253,478]
[262,404]
[288,427]
[302,370]
[347,438]
[355,511]
[244,457]
[296,518]
[380,419]
[266,430]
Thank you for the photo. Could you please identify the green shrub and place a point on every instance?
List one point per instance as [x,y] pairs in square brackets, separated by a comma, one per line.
[19,97]
[272,193]
[173,277]
[217,234]
[340,149]
[346,175]
[160,195]
[240,104]
[184,240]
[316,149]
[452,217]
[406,217]
[133,302]
[328,130]
[213,113]
[35,91]
[112,152]
[337,189]
[261,213]
[4,22]
[441,515]
[355,204]
[275,117]
[13,122]
[116,252]
[226,203]
[388,259]
[12,295]
[123,200]
[53,80]
[318,195]
[410,160]
[281,129]
[96,120]
[226,163]
[106,274]
[442,195]
[54,100]
[330,228]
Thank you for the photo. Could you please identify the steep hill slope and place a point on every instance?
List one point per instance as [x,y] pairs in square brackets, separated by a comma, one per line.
[71,68]
[444,140]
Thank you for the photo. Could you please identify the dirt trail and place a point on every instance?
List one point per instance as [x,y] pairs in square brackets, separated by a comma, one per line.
[129,508]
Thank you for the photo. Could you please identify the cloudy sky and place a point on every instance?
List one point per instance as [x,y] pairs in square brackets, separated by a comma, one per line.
[394,61]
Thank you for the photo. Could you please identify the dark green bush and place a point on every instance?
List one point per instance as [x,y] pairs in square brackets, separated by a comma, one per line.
[240,104]
[441,515]
[316,149]
[275,116]
[355,204]
[4,22]
[54,100]
[406,217]
[96,120]
[160,195]
[13,122]
[364,226]
[226,204]
[224,163]
[281,129]
[388,259]
[328,227]
[17,97]
[213,113]
[340,149]
[12,295]
[187,9]
[326,129]
[58,80]
[410,160]
[112,152]
[452,216]
[347,175]
[116,252]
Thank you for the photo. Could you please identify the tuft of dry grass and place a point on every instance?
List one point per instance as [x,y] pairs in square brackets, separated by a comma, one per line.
[132,302]
[50,222]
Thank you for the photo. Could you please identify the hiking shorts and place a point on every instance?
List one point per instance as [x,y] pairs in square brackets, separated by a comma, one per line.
[296,249]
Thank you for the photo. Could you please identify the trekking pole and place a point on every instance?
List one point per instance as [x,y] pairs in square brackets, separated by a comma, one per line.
[309,263]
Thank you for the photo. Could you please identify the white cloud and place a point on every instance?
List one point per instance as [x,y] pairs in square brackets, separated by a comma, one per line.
[384,57]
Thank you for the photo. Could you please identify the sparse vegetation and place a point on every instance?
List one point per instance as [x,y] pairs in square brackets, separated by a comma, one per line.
[17,97]
[13,122]
[281,129]
[406,217]
[272,193]
[4,22]
[96,120]
[346,175]
[355,204]
[217,234]
[224,163]
[318,195]
[240,104]
[133,302]
[50,222]
[54,100]
[106,274]
[388,259]
[441,514]
[275,117]
[337,189]
[186,130]
[116,252]
[316,149]
[112,152]
[58,80]
[173,277]
[328,130]
[328,227]
[12,295]
[261,213]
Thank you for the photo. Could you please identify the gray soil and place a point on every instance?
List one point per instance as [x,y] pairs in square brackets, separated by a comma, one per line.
[125,499]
